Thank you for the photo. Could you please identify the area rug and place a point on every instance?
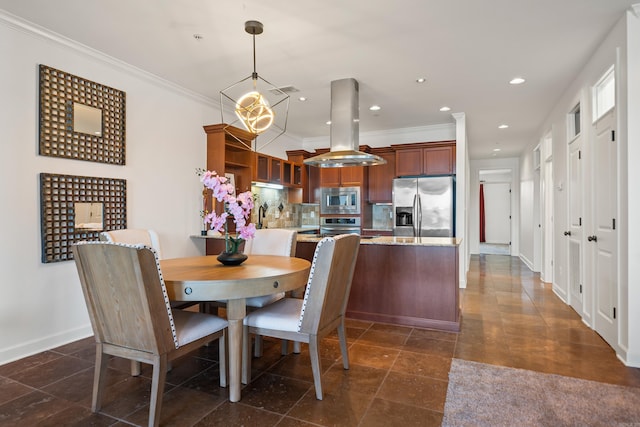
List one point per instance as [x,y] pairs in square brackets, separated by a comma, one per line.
[487,395]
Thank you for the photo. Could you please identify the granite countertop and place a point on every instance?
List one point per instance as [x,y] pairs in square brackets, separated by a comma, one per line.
[394,240]
[374,240]
[300,230]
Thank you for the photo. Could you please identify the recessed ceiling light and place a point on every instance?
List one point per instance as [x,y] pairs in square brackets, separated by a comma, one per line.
[445,109]
[302,98]
[328,122]
[374,108]
[421,80]
[503,126]
[517,81]
[496,149]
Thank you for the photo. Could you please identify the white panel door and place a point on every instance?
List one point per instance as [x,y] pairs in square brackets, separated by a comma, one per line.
[497,209]
[574,234]
[604,239]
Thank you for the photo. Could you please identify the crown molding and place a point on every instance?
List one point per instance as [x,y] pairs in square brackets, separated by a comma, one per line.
[29,28]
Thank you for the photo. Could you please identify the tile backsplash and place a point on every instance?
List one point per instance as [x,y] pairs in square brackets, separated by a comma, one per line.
[382,217]
[280,213]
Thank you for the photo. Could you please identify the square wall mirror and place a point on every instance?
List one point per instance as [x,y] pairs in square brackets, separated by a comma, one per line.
[87,119]
[88,216]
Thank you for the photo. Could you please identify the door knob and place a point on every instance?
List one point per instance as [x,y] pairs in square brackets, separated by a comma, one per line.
[567,233]
[592,238]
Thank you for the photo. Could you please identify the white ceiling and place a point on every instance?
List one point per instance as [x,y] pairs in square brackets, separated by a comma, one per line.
[467,49]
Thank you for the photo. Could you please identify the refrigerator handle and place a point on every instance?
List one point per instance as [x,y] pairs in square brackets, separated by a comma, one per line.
[415,214]
[419,229]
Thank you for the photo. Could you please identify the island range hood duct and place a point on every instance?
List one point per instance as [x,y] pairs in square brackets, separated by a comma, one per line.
[344,130]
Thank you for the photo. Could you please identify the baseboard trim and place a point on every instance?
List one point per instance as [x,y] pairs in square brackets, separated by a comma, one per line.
[32,347]
[526,261]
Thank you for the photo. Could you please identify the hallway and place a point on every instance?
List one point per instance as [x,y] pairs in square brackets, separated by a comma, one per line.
[398,375]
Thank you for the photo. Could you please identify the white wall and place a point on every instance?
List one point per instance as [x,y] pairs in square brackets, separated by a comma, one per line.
[462,197]
[622,45]
[41,305]
[630,205]
[473,208]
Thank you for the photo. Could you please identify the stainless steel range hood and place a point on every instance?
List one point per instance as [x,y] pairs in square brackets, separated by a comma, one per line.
[345,130]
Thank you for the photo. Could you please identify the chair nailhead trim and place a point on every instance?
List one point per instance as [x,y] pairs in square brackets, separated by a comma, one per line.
[162,284]
[309,281]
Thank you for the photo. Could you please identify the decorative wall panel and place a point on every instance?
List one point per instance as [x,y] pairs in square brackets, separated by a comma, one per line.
[81,119]
[58,196]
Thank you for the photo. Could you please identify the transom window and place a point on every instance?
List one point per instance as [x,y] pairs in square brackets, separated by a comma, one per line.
[573,122]
[604,94]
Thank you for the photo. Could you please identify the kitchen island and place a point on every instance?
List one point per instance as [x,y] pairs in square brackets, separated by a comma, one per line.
[410,281]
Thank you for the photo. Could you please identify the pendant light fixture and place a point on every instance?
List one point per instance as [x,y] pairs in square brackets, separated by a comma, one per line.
[255,104]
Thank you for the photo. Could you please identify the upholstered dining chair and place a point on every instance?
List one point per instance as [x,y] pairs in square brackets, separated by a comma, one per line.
[134,236]
[131,317]
[269,241]
[319,313]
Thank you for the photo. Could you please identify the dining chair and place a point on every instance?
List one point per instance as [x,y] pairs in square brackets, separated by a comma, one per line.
[134,236]
[148,237]
[131,317]
[319,313]
[269,241]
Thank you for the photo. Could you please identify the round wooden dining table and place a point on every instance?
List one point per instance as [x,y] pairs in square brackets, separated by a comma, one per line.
[203,278]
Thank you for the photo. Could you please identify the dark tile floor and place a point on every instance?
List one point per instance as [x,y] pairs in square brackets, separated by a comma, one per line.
[398,375]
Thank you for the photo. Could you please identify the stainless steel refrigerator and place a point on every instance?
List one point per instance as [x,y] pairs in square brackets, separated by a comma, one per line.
[424,207]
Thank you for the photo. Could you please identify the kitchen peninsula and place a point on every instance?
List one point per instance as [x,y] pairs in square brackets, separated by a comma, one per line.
[410,281]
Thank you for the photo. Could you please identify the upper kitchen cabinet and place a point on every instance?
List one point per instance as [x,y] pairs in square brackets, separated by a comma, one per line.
[261,170]
[430,158]
[304,176]
[351,176]
[274,170]
[381,177]
[225,154]
[268,169]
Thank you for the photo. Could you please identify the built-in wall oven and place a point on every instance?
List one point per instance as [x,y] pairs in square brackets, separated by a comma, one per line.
[340,200]
[332,226]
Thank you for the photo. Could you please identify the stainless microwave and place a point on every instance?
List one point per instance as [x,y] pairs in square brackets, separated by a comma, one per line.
[340,200]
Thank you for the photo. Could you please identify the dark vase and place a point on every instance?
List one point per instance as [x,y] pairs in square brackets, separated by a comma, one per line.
[232,258]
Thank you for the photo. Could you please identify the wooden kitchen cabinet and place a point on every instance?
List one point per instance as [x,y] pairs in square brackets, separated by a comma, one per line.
[305,177]
[439,160]
[297,174]
[408,285]
[330,177]
[275,170]
[261,170]
[381,178]
[225,154]
[287,172]
[425,159]
[351,176]
[275,175]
